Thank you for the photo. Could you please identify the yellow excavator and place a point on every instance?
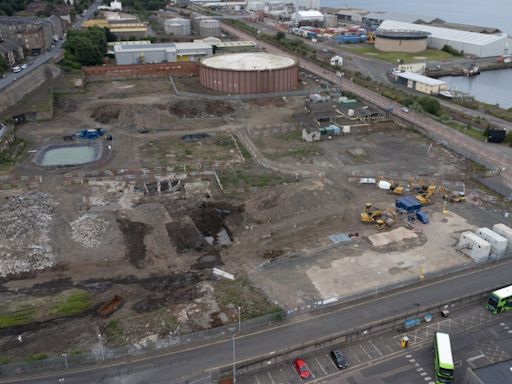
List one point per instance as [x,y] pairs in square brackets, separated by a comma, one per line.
[395,188]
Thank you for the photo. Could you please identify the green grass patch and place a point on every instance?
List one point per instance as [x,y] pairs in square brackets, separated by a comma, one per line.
[114,331]
[290,136]
[303,151]
[4,360]
[24,315]
[75,352]
[36,357]
[240,293]
[243,178]
[475,134]
[392,57]
[72,304]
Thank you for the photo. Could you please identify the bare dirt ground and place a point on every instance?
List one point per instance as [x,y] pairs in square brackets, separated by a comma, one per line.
[153,239]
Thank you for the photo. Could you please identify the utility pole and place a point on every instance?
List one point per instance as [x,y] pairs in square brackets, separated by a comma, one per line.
[239,320]
[234,361]
[101,347]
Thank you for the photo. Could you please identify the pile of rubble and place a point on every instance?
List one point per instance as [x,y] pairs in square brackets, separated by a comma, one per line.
[88,230]
[24,239]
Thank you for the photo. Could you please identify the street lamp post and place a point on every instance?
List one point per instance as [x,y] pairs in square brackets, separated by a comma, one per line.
[234,361]
[239,320]
[101,347]
[65,356]
[377,286]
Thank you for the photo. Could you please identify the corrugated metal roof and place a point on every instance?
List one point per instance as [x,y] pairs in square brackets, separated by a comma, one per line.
[310,14]
[399,17]
[419,78]
[444,33]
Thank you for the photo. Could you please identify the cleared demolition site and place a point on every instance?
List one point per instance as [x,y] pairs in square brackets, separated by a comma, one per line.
[198,210]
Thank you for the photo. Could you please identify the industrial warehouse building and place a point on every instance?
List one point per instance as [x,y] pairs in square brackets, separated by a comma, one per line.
[400,40]
[478,44]
[420,83]
[256,72]
[160,53]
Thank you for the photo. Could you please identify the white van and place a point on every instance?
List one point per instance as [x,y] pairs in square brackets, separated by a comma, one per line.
[16,69]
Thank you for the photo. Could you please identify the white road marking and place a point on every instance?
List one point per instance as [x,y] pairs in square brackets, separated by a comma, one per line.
[428,378]
[270,377]
[377,349]
[475,358]
[321,367]
[257,380]
[364,350]
[332,362]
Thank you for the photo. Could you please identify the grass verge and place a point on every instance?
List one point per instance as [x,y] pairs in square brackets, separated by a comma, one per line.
[73,303]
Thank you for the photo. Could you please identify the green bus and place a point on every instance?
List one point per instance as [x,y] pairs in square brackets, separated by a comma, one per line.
[443,358]
[500,300]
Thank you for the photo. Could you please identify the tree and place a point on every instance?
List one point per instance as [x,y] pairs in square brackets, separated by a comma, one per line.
[3,65]
[280,35]
[109,35]
[508,138]
[430,105]
[86,47]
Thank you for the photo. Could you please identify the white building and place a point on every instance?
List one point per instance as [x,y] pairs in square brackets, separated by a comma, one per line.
[418,68]
[337,61]
[159,53]
[506,232]
[116,5]
[307,4]
[421,83]
[498,242]
[478,44]
[475,247]
[302,16]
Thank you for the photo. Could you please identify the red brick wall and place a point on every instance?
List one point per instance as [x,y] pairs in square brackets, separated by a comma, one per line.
[137,71]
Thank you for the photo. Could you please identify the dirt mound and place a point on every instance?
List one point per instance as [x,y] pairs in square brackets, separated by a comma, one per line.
[134,233]
[106,113]
[201,108]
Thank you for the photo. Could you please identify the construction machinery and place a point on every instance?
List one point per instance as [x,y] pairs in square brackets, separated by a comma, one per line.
[381,218]
[390,185]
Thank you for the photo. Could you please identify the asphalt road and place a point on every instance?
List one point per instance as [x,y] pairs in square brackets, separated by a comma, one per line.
[10,77]
[499,157]
[175,367]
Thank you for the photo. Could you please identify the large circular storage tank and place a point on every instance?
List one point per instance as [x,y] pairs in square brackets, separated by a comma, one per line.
[196,20]
[209,27]
[251,72]
[401,40]
[174,29]
[185,23]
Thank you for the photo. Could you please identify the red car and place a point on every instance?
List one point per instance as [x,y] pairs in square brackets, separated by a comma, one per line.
[302,369]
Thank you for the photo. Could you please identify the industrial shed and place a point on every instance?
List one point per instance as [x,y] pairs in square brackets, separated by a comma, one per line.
[302,16]
[421,83]
[160,53]
[478,44]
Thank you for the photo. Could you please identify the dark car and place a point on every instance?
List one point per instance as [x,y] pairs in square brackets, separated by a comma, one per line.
[339,359]
[302,369]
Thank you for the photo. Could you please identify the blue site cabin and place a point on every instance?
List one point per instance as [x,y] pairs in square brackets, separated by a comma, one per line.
[408,204]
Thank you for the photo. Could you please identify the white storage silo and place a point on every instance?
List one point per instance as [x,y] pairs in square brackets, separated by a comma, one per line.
[196,20]
[506,232]
[185,23]
[173,29]
[498,243]
[209,27]
[475,247]
[330,21]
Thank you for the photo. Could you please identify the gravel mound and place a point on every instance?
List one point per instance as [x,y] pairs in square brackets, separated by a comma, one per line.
[88,230]
[24,239]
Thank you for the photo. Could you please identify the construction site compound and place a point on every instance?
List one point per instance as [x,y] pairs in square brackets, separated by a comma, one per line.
[199,208]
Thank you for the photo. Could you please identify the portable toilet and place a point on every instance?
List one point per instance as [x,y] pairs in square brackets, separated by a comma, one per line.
[422,216]
[498,242]
[506,232]
[475,247]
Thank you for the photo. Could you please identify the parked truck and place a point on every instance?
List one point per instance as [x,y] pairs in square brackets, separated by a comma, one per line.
[90,134]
